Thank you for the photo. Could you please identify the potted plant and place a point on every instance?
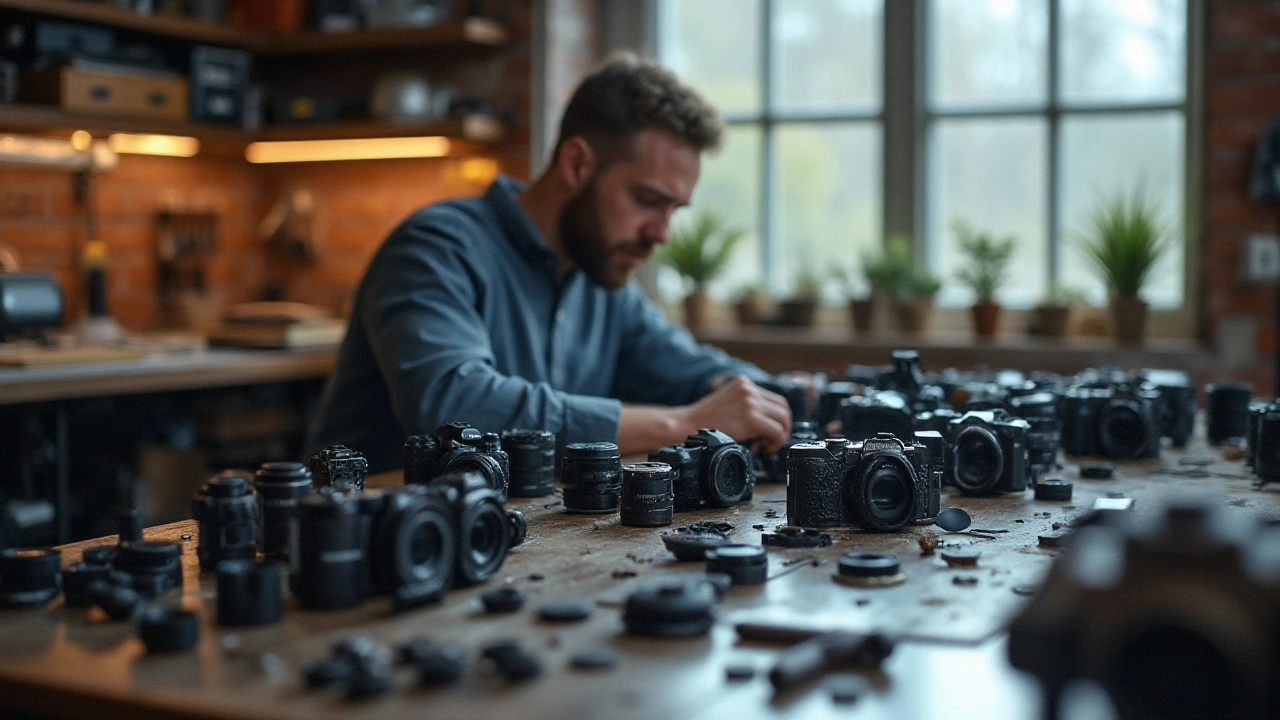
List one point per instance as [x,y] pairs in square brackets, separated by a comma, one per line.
[861,300]
[988,259]
[1125,240]
[700,250]
[801,308]
[751,303]
[913,303]
[1052,316]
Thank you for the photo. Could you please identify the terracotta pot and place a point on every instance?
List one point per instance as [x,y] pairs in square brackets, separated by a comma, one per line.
[695,310]
[862,312]
[914,316]
[1053,320]
[799,313]
[750,310]
[1129,318]
[986,319]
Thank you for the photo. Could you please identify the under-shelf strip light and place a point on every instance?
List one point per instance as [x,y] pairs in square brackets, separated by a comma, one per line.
[165,145]
[351,149]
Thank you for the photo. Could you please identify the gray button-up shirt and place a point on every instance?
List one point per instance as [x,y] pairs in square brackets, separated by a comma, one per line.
[460,316]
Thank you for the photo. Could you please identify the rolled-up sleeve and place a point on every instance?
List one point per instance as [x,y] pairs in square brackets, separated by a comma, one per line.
[661,363]
[422,320]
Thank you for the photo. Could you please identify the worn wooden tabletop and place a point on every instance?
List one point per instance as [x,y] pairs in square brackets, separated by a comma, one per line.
[62,661]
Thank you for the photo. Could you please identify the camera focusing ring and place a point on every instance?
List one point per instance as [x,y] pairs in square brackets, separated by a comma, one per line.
[482,541]
[29,577]
[248,593]
[977,461]
[884,492]
[1123,429]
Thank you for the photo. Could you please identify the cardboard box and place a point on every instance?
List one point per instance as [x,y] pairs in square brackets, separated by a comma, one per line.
[98,92]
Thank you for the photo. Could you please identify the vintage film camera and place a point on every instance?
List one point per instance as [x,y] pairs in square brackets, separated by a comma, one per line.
[881,483]
[457,447]
[987,453]
[709,469]
[863,416]
[1175,405]
[1115,422]
[773,468]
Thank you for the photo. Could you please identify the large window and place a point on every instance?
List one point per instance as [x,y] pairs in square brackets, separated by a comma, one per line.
[1027,115]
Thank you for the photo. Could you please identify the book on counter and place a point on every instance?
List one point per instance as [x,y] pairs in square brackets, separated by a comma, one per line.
[278,325]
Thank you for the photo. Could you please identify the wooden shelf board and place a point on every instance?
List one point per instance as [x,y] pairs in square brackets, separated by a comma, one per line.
[180,28]
[477,128]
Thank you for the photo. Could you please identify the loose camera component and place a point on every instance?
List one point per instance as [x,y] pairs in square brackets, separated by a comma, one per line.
[592,477]
[744,564]
[29,578]
[671,607]
[864,416]
[1175,403]
[327,552]
[1117,422]
[532,455]
[248,593]
[339,468]
[165,630]
[226,509]
[1227,413]
[647,499]
[881,483]
[1143,609]
[1044,432]
[829,398]
[711,466]
[152,567]
[774,467]
[1266,444]
[1257,408]
[77,579]
[280,485]
[457,447]
[795,392]
[988,453]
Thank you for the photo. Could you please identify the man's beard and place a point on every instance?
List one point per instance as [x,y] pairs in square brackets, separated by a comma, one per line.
[583,238]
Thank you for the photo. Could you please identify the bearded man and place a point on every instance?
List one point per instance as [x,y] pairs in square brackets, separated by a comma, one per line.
[518,309]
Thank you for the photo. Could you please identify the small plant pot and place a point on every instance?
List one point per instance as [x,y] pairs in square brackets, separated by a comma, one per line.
[862,313]
[695,310]
[913,316]
[749,311]
[1053,320]
[986,319]
[799,313]
[1129,319]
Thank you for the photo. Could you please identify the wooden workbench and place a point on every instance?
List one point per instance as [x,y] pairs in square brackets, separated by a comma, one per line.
[60,661]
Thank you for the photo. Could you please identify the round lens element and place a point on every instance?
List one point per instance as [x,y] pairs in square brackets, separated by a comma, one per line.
[727,474]
[884,493]
[1122,431]
[977,462]
[482,533]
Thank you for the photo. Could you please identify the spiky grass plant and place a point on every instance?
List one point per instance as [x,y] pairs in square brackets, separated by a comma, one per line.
[700,249]
[1125,241]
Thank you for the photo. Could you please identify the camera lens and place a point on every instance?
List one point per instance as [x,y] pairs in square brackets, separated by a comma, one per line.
[1257,409]
[1123,431]
[884,493]
[338,467]
[1267,447]
[130,526]
[592,477]
[726,477]
[482,541]
[227,512]
[977,461]
[413,544]
[1227,413]
[248,593]
[77,579]
[532,455]
[28,578]
[484,465]
[647,497]
[280,486]
[1040,410]
[328,553]
[153,567]
[684,476]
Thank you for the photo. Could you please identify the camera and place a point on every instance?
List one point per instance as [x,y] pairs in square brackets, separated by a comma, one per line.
[937,420]
[794,391]
[1115,422]
[863,416]
[988,453]
[1175,406]
[881,483]
[338,467]
[1044,433]
[773,468]
[709,469]
[457,447]
[829,399]
[1265,442]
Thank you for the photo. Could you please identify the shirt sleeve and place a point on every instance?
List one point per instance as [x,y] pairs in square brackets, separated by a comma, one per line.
[661,363]
[420,313]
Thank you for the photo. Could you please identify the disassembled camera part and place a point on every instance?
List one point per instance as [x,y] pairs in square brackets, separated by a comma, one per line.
[99,555]
[987,453]
[597,659]
[1131,605]
[710,469]
[961,557]
[152,567]
[1227,411]
[1054,539]
[503,600]
[773,468]
[647,498]
[328,553]
[130,527]
[953,519]
[744,564]
[457,447]
[826,651]
[928,544]
[532,455]
[671,607]
[1097,471]
[512,661]
[358,664]
[739,672]
[164,630]
[790,536]
[517,527]
[115,597]
[881,483]
[29,577]
[76,581]
[437,663]
[869,570]
[338,467]
[248,593]
[280,486]
[690,545]
[1053,490]
[566,611]
[226,509]
[1113,504]
[592,477]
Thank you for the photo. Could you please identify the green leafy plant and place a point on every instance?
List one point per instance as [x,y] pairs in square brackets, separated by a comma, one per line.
[807,286]
[888,271]
[750,290]
[1124,241]
[988,259]
[700,249]
[919,284]
[1062,296]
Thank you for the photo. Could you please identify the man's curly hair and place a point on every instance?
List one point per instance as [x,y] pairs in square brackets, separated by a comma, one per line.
[627,95]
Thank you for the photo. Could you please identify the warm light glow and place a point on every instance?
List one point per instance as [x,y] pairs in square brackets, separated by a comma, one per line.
[355,149]
[33,150]
[167,145]
[81,140]
[479,170]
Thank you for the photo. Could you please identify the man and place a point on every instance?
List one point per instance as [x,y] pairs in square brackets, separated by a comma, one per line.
[517,309]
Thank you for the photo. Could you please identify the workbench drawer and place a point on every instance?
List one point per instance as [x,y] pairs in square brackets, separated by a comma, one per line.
[98,93]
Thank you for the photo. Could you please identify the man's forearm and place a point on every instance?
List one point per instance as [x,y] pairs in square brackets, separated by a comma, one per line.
[642,428]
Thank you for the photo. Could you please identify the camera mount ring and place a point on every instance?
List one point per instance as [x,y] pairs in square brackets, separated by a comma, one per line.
[861,490]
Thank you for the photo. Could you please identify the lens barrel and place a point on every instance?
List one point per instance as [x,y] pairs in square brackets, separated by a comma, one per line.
[592,477]
[1227,413]
[532,454]
[226,509]
[647,497]
[29,578]
[280,486]
[327,552]
[248,593]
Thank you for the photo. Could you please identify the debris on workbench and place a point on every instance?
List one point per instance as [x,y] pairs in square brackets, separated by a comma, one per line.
[739,672]
[671,607]
[928,544]
[961,557]
[623,574]
[1054,539]
[595,659]
[1097,470]
[503,600]
[512,661]
[565,611]
[964,580]
[790,536]
[690,544]
[1025,590]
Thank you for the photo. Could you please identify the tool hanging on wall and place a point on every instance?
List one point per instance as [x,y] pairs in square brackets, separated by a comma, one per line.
[186,239]
[288,234]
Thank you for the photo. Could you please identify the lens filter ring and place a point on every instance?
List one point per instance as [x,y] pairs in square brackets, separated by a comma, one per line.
[977,462]
[869,570]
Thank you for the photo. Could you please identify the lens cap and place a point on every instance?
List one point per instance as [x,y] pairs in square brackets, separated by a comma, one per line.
[1053,490]
[165,631]
[503,600]
[869,570]
[745,564]
[672,607]
[29,578]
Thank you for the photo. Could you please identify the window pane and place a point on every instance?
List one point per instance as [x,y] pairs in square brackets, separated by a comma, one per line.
[1103,155]
[987,53]
[991,174]
[829,210]
[729,185]
[1131,51]
[714,46]
[828,55]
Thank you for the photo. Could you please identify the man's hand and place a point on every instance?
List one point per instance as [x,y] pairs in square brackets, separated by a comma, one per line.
[743,410]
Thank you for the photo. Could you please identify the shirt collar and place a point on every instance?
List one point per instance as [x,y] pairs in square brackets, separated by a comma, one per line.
[520,230]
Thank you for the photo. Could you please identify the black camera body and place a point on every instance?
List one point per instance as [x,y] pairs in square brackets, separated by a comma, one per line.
[773,468]
[1264,442]
[1115,422]
[1175,403]
[338,467]
[881,483]
[457,447]
[987,453]
[712,466]
[864,416]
